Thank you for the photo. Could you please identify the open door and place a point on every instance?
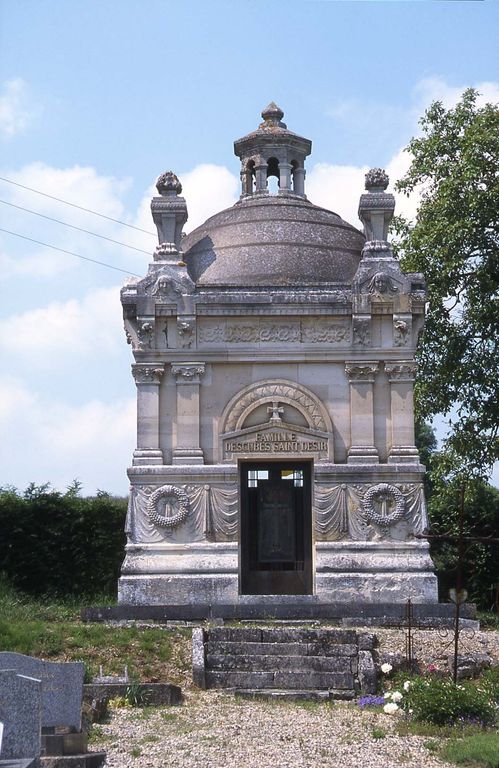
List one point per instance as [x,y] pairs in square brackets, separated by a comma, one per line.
[276,528]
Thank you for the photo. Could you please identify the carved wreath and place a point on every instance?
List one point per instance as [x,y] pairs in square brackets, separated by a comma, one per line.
[380,492]
[170,521]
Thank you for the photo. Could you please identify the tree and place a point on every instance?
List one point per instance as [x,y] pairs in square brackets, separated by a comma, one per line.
[454,242]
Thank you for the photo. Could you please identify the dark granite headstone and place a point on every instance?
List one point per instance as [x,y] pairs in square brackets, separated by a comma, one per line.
[62,687]
[20,712]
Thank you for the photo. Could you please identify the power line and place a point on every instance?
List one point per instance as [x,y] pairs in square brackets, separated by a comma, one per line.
[80,229]
[71,253]
[80,207]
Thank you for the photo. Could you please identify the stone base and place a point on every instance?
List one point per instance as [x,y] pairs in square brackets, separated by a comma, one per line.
[207,573]
[85,760]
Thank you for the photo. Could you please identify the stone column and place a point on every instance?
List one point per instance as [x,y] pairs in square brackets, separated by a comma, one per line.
[401,376]
[147,378]
[188,378]
[284,177]
[361,377]
[261,179]
[299,181]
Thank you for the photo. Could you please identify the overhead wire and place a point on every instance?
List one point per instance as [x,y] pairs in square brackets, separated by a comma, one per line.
[72,226]
[71,253]
[73,205]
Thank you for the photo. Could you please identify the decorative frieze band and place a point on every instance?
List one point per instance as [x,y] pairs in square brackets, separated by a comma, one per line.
[188,373]
[361,371]
[402,371]
[147,374]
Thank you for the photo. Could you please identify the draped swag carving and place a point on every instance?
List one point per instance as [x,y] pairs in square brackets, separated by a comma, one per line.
[339,514]
[213,516]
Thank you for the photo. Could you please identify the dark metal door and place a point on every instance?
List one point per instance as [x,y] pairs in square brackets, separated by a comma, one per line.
[276,528]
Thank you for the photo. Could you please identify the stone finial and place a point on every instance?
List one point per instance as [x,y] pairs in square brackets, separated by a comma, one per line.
[169,212]
[376,179]
[168,183]
[376,210]
[272,116]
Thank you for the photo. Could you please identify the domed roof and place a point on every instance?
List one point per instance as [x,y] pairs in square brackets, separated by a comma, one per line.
[281,240]
[273,240]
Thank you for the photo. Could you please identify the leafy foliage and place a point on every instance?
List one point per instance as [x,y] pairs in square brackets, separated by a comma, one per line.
[61,544]
[454,242]
[481,520]
[440,702]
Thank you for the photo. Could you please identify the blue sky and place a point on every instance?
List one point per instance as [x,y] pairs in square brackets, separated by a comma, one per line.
[98,98]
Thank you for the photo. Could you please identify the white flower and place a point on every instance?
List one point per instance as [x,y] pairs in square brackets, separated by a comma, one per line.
[411,711]
[387,695]
[386,668]
[390,708]
[397,696]
[407,685]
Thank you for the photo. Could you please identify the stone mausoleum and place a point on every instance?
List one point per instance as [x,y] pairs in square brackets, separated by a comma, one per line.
[274,362]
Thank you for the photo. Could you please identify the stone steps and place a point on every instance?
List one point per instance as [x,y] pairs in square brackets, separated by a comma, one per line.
[328,662]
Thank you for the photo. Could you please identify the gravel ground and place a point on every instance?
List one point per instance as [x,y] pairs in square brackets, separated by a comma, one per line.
[214,730]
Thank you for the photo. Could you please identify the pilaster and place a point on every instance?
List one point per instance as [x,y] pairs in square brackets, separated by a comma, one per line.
[188,379]
[401,377]
[361,377]
[147,379]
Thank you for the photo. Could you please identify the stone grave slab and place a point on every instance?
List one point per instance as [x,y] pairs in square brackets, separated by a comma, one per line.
[62,687]
[20,713]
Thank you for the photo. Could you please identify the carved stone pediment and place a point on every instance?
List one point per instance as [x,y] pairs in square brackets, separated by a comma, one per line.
[278,439]
[168,282]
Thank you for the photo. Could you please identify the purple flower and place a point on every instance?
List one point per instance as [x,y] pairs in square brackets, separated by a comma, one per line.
[370,701]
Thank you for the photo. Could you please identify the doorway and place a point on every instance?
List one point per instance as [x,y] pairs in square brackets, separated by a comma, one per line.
[276,528]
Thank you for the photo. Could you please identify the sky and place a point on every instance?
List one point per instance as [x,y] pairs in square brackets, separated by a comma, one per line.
[98,97]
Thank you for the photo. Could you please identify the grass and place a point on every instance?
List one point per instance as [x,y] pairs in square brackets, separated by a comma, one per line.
[52,629]
[479,750]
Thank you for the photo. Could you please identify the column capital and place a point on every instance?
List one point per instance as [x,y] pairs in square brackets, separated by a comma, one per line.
[361,371]
[404,370]
[147,373]
[188,373]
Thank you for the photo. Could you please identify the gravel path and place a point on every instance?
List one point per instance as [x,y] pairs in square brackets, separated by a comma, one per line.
[214,730]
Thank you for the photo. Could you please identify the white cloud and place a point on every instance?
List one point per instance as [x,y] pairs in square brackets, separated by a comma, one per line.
[73,328]
[435,88]
[14,114]
[49,441]
[207,190]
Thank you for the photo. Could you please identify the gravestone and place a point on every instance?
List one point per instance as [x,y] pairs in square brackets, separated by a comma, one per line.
[20,713]
[61,687]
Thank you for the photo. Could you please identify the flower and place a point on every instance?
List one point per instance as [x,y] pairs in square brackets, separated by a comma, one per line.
[388,695]
[431,668]
[370,701]
[407,685]
[386,668]
[397,696]
[390,708]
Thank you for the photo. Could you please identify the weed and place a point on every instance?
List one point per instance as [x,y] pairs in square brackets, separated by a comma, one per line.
[431,745]
[135,751]
[168,717]
[378,733]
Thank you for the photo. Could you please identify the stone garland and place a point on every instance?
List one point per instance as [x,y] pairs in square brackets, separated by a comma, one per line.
[379,491]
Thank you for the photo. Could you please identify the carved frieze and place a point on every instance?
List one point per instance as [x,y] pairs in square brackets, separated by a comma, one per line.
[147,374]
[145,334]
[185,331]
[243,333]
[323,332]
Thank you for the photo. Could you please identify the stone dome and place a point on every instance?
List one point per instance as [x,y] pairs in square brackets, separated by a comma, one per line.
[273,240]
[281,240]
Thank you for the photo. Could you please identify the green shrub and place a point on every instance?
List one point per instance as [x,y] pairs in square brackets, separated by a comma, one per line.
[61,544]
[441,702]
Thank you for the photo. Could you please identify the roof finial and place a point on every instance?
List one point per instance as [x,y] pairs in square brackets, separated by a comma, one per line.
[272,115]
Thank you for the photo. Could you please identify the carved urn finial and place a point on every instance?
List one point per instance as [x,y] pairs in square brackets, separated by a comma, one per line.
[272,116]
[168,183]
[376,209]
[376,179]
[169,212]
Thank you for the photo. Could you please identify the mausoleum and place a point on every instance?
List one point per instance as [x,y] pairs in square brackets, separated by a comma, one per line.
[274,362]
